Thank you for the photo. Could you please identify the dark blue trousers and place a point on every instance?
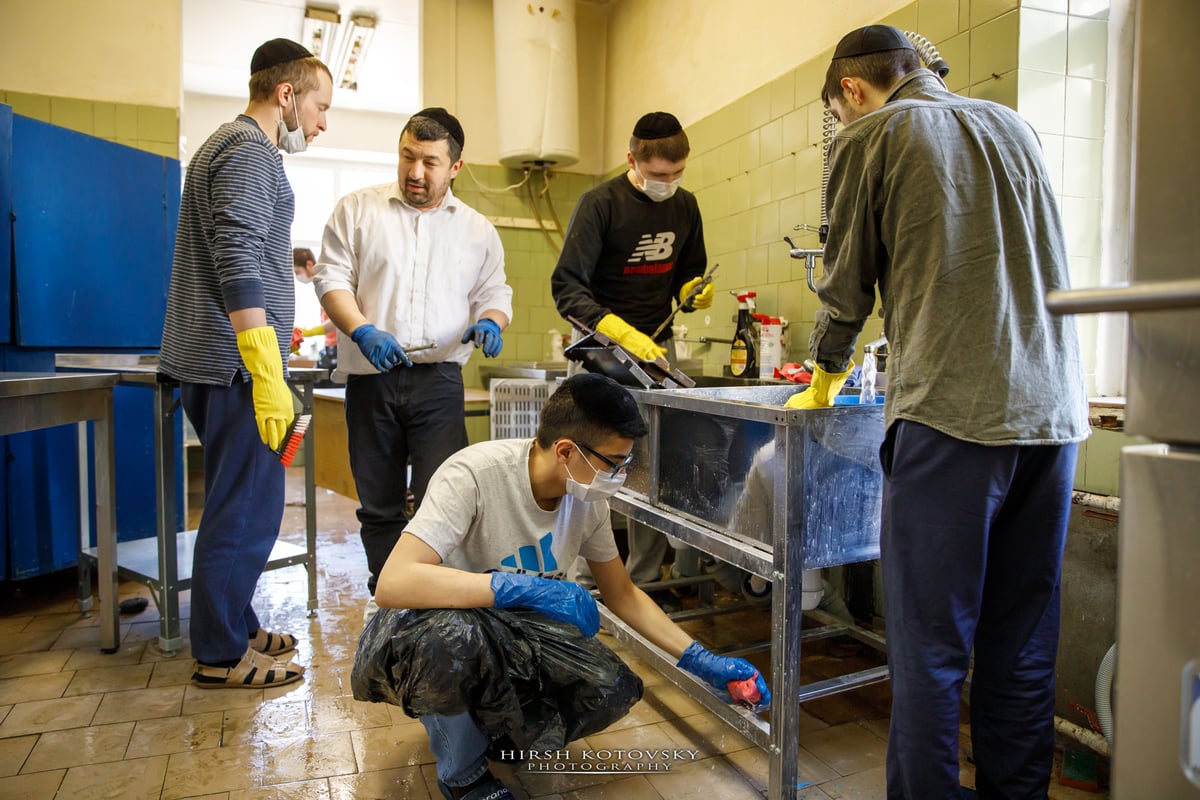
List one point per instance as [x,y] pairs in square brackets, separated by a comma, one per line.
[243,506]
[971,547]
[406,414]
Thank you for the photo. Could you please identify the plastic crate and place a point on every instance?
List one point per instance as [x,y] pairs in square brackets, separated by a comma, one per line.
[516,405]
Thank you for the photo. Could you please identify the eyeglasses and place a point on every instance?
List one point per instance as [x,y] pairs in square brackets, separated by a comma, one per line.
[615,466]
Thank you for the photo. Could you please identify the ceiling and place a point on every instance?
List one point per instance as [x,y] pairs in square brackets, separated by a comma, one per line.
[219,36]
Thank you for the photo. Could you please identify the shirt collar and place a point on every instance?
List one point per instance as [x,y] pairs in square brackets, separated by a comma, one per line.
[449,202]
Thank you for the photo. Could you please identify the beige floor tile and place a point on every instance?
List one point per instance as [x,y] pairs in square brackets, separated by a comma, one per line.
[4,712]
[643,713]
[306,758]
[152,651]
[706,733]
[390,784]
[754,765]
[634,788]
[38,786]
[32,663]
[34,687]
[264,723]
[217,769]
[879,727]
[645,737]
[708,778]
[96,744]
[13,753]
[391,747]
[140,704]
[848,748]
[671,702]
[86,638]
[40,716]
[166,735]
[139,779]
[335,714]
[109,679]
[171,672]
[60,622]
[26,642]
[90,657]
[15,624]
[584,766]
[197,700]
[870,784]
[301,790]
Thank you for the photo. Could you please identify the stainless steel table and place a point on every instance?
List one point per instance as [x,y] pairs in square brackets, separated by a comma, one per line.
[33,400]
[164,563]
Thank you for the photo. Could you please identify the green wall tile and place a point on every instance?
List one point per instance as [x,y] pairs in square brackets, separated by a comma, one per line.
[906,18]
[69,112]
[127,121]
[783,95]
[937,20]
[758,107]
[1001,90]
[34,106]
[794,131]
[984,10]
[158,124]
[994,47]
[770,142]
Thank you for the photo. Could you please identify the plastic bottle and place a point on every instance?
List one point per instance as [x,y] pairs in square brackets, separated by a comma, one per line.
[743,354]
[770,346]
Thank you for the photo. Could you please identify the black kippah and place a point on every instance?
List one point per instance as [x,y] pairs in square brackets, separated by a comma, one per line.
[656,125]
[447,120]
[277,51]
[872,39]
[602,399]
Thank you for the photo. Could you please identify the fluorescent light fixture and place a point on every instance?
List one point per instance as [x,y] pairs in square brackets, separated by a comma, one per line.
[320,32]
[356,36]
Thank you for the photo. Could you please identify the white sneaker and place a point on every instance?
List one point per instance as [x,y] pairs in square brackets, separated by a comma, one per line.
[370,611]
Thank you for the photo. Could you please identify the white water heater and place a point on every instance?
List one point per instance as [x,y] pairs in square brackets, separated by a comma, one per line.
[537,90]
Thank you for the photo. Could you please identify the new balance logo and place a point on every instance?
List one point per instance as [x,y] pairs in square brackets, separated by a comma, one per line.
[653,247]
[537,560]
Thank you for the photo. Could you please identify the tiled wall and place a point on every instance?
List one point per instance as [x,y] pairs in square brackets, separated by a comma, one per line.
[151,128]
[1061,91]
[529,259]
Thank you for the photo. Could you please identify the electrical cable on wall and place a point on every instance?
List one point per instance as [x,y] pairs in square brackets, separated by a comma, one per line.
[491,190]
[537,214]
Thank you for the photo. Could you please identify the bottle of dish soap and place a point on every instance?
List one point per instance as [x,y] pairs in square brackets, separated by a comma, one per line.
[743,353]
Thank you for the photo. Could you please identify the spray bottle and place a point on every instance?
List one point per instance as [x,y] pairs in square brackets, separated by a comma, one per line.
[743,353]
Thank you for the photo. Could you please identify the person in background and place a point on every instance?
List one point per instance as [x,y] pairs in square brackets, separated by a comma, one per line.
[303,264]
[633,248]
[946,205]
[492,505]
[225,339]
[402,265]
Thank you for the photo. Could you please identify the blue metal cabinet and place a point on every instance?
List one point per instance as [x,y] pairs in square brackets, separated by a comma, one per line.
[84,267]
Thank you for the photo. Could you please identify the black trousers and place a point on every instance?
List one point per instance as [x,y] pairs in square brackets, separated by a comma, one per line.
[406,414]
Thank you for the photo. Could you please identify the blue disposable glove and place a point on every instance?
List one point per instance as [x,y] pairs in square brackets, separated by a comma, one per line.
[720,671]
[486,334]
[561,600]
[380,347]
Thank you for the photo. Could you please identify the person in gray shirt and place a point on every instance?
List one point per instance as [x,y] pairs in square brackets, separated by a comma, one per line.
[943,204]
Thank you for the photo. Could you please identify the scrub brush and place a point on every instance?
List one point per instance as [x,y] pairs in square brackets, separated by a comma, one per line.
[291,442]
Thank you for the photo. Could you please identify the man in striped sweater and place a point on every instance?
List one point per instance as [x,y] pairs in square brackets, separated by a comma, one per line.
[225,337]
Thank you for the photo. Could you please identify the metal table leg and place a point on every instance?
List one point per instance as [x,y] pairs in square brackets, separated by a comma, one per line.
[106,527]
[165,406]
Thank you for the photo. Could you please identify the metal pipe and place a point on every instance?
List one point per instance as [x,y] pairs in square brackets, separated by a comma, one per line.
[1150,296]
[1082,735]
[1102,502]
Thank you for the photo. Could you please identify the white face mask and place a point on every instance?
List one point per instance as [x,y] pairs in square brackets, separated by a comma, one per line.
[658,191]
[303,277]
[291,141]
[602,486]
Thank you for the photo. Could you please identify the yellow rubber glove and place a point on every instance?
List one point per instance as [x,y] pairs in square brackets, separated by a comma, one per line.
[316,330]
[637,343]
[820,393]
[703,299]
[272,399]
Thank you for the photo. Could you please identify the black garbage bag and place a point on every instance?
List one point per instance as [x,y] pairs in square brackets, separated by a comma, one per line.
[526,679]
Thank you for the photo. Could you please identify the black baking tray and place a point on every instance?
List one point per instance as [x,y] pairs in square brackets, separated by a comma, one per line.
[598,353]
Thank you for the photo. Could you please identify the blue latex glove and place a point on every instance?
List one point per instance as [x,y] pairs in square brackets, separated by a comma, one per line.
[720,671]
[486,334]
[380,347]
[564,601]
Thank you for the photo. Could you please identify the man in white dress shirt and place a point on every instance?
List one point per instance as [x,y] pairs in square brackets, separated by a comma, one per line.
[407,265]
